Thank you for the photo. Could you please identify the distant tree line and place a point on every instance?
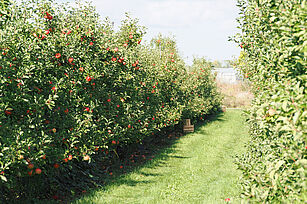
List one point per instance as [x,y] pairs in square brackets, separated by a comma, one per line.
[223,63]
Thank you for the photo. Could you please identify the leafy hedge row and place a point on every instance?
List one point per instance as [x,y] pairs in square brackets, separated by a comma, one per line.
[274,61]
[71,86]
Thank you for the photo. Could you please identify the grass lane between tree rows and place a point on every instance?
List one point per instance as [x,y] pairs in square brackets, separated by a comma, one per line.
[198,168]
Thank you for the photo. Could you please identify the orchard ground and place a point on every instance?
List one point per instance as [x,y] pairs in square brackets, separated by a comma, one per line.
[196,168]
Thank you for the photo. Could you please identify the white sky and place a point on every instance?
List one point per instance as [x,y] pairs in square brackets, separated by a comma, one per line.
[201,27]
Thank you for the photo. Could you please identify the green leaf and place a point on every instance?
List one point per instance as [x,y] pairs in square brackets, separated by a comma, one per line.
[279,163]
[296,117]
[284,106]
[3,178]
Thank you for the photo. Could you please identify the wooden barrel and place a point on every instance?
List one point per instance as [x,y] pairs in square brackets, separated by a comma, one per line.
[187,127]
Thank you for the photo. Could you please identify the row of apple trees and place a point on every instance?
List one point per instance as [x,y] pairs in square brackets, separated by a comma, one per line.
[273,40]
[71,86]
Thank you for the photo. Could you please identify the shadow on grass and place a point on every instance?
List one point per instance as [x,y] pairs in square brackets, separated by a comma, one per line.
[209,119]
[156,150]
[84,179]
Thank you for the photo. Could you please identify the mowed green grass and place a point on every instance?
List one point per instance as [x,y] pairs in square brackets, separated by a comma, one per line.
[198,168]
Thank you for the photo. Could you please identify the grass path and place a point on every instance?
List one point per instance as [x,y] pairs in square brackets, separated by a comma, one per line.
[198,168]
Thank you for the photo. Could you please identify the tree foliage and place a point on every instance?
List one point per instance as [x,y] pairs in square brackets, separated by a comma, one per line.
[273,39]
[71,86]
